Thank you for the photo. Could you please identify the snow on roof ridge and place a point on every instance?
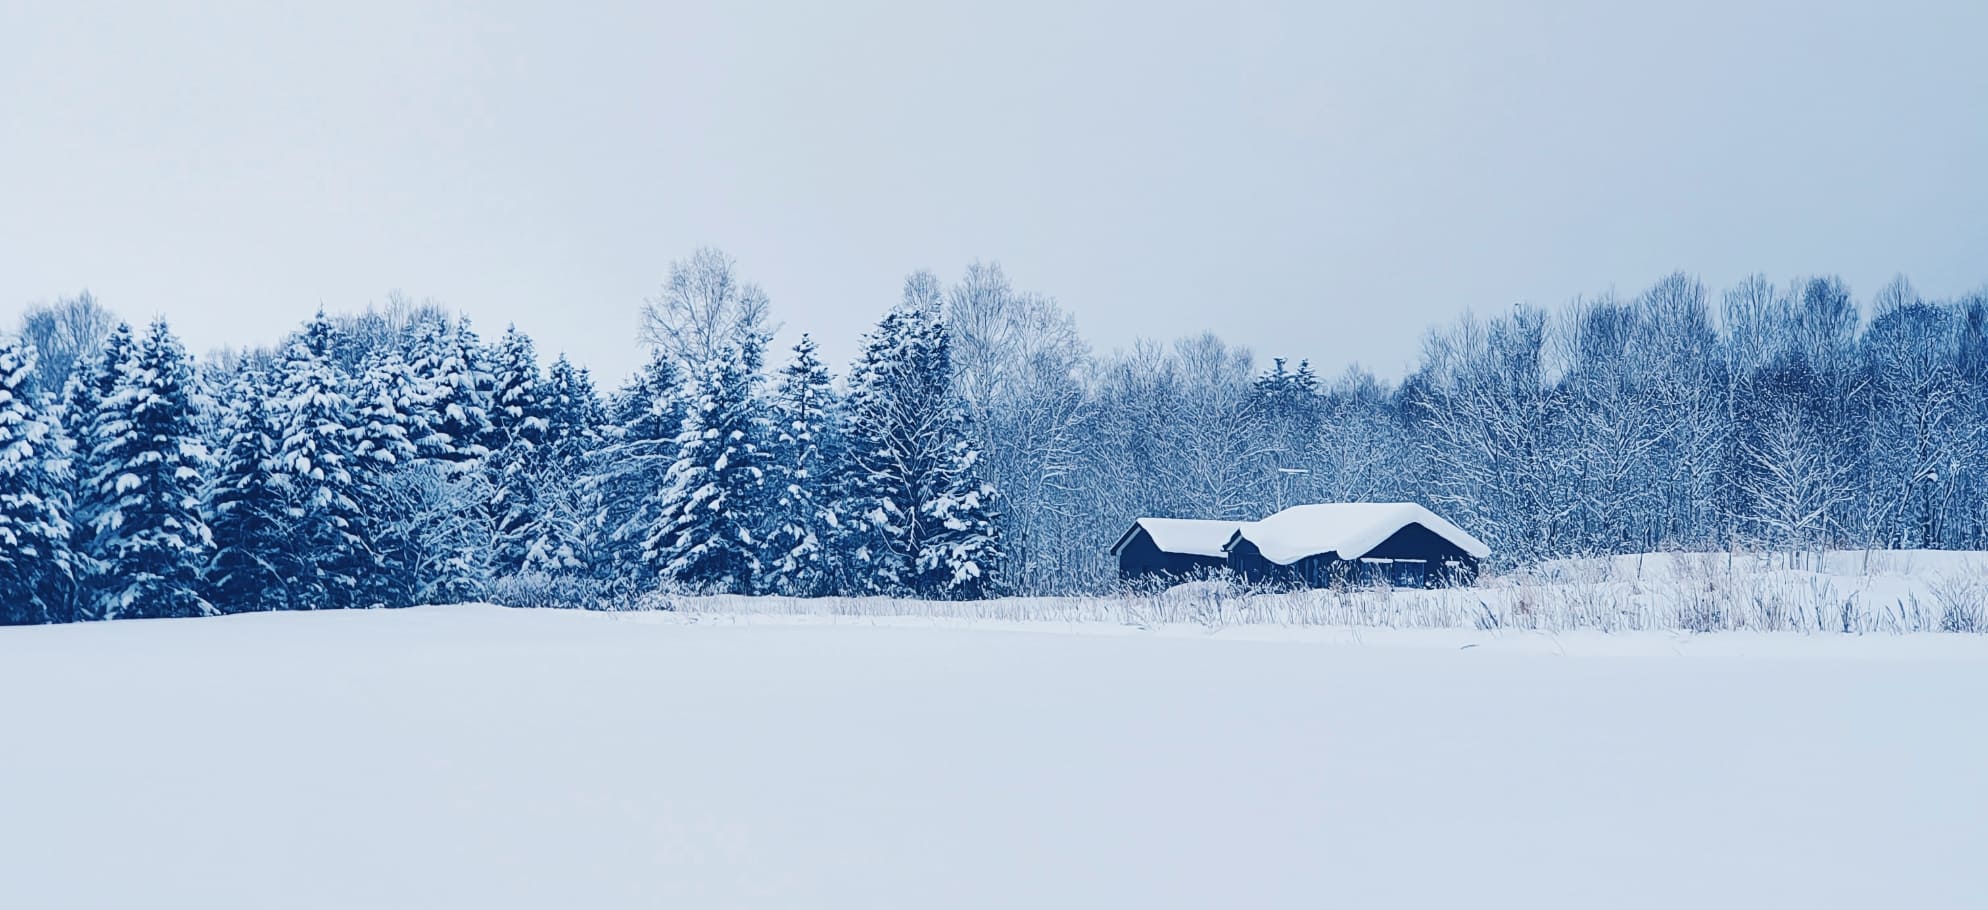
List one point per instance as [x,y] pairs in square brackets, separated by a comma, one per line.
[1191,536]
[1350,529]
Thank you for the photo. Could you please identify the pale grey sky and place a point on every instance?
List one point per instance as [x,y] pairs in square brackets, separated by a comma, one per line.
[1317,179]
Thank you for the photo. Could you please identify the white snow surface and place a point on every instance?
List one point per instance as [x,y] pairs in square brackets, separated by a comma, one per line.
[1350,529]
[480,757]
[1195,536]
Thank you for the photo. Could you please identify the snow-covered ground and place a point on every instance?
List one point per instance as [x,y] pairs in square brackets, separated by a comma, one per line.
[1858,592]
[481,757]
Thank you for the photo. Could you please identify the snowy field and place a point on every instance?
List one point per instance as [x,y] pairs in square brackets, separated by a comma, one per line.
[482,757]
[1849,591]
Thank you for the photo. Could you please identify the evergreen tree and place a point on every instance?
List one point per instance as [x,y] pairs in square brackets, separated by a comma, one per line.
[628,473]
[327,556]
[713,509]
[1286,410]
[557,538]
[921,519]
[447,497]
[92,384]
[245,508]
[147,539]
[802,479]
[517,453]
[518,406]
[34,531]
[450,416]
[383,443]
[385,402]
[574,414]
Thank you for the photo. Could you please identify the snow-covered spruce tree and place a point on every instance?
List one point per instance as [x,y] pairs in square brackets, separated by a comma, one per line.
[574,414]
[95,380]
[920,518]
[450,416]
[1286,409]
[713,508]
[428,518]
[386,398]
[245,507]
[516,444]
[445,494]
[326,557]
[557,540]
[93,383]
[627,474]
[517,398]
[34,531]
[803,477]
[148,542]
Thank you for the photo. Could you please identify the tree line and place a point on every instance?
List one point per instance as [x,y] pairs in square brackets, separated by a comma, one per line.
[977,446]
[395,458]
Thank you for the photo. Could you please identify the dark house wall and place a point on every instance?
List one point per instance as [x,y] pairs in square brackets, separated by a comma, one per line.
[1248,564]
[1444,563]
[1440,563]
[1416,542]
[1140,557]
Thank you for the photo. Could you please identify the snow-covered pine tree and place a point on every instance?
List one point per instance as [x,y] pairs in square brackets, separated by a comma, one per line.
[574,414]
[148,542]
[1287,412]
[245,507]
[627,473]
[447,495]
[93,383]
[653,404]
[517,398]
[517,449]
[384,401]
[803,477]
[713,506]
[557,541]
[34,531]
[327,556]
[451,414]
[959,559]
[921,519]
[387,397]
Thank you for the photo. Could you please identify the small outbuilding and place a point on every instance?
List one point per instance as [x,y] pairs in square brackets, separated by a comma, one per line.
[1179,548]
[1321,544]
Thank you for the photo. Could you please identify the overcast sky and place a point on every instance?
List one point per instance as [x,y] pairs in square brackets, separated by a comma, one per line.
[1314,179]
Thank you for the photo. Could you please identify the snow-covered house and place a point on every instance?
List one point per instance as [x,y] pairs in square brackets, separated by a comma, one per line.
[1176,547]
[1315,545]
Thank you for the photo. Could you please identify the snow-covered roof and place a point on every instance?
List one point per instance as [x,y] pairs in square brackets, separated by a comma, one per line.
[1192,536]
[1350,529]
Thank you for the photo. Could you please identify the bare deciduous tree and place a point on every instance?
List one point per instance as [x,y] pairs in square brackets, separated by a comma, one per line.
[1016,358]
[63,334]
[703,308]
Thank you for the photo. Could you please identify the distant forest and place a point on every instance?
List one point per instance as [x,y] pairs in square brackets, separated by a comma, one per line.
[976,447]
